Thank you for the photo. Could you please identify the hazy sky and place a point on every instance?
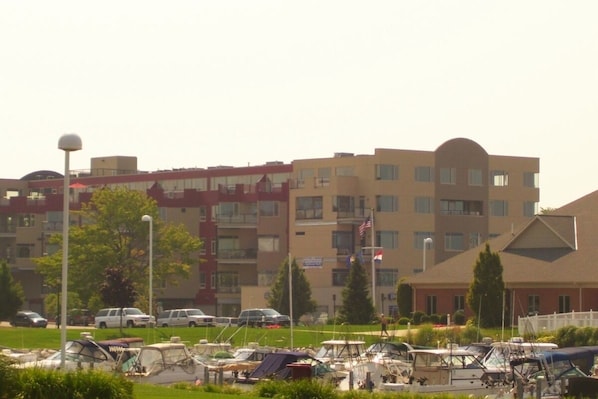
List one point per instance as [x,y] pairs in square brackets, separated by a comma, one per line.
[204,83]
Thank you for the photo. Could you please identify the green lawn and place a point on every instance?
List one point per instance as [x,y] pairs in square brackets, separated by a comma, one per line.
[303,337]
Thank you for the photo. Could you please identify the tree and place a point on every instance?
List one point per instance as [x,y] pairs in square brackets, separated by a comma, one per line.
[485,295]
[404,298]
[12,296]
[111,234]
[356,307]
[279,295]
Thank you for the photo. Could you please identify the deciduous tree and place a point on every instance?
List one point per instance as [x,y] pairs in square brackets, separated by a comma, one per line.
[12,296]
[109,233]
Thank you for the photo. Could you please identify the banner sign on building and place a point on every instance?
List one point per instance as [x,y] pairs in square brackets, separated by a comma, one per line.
[312,262]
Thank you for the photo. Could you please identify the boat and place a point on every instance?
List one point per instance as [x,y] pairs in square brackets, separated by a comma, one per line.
[552,374]
[446,370]
[84,354]
[287,365]
[165,363]
[341,354]
[242,362]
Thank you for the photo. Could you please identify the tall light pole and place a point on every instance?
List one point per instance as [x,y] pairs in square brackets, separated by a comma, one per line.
[67,143]
[427,241]
[148,218]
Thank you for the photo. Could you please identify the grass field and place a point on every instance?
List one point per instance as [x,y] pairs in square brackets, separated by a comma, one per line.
[303,337]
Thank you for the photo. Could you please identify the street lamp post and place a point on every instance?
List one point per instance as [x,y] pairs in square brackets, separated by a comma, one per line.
[427,241]
[148,218]
[67,143]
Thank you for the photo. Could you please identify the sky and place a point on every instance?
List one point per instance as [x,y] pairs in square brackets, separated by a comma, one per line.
[183,84]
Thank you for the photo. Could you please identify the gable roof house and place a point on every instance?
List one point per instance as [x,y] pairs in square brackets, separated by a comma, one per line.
[549,266]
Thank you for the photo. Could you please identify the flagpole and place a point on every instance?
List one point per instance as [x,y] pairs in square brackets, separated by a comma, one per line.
[373,243]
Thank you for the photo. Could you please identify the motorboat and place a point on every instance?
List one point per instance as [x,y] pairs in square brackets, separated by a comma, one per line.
[445,370]
[165,363]
[287,365]
[82,354]
[341,354]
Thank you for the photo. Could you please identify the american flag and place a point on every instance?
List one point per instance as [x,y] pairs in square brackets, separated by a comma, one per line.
[367,224]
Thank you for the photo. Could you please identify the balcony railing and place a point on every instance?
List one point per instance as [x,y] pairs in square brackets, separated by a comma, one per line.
[249,253]
[239,219]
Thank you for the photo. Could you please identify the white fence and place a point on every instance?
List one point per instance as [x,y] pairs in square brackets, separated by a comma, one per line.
[551,322]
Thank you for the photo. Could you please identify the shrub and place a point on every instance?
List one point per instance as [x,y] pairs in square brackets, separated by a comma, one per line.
[38,383]
[417,317]
[459,318]
[403,321]
[8,378]
[435,318]
[425,319]
[297,389]
[425,336]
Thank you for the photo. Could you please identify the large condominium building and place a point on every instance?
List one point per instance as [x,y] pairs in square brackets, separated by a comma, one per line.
[251,218]
[422,207]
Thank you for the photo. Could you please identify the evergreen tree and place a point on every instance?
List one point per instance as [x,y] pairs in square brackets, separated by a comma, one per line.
[485,295]
[356,307]
[12,296]
[404,299]
[279,295]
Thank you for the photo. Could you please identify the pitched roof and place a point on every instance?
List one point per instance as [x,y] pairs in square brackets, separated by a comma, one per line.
[558,249]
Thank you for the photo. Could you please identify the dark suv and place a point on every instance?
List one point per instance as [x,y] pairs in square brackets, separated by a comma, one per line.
[262,317]
[77,317]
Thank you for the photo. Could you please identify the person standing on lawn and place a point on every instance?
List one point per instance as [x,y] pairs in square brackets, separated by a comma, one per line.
[383,325]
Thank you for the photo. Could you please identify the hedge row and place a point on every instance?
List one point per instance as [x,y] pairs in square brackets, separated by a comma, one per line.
[33,383]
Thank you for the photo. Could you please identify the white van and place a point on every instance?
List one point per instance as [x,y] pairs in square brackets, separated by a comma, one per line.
[184,317]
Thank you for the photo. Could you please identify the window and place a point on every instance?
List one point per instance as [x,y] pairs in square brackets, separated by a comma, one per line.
[202,213]
[424,205]
[268,208]
[323,177]
[453,242]
[451,207]
[459,302]
[499,208]
[419,237]
[343,242]
[344,205]
[530,208]
[387,239]
[475,239]
[387,203]
[202,280]
[268,244]
[344,171]
[23,251]
[309,208]
[202,250]
[448,176]
[533,304]
[424,174]
[213,247]
[499,178]
[387,277]
[474,177]
[531,179]
[564,304]
[228,282]
[387,172]
[339,277]
[431,301]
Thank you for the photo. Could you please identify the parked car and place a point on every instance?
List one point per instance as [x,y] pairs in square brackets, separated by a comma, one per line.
[184,317]
[226,321]
[77,317]
[26,318]
[262,317]
[131,317]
